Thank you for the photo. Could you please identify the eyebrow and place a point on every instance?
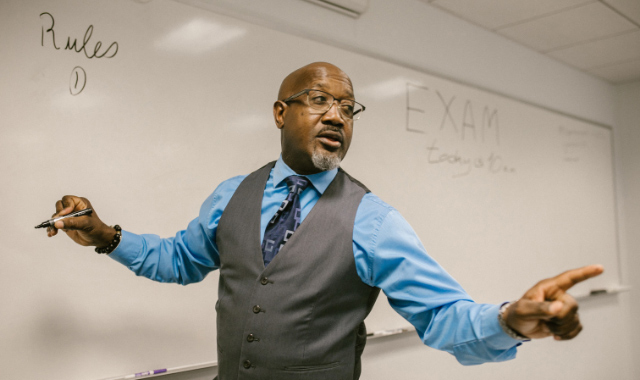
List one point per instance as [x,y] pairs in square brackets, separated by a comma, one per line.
[324,88]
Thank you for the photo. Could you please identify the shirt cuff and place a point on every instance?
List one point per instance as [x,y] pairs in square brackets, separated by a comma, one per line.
[129,248]
[493,332]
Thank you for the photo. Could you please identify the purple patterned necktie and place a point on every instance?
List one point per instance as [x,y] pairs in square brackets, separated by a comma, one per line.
[285,221]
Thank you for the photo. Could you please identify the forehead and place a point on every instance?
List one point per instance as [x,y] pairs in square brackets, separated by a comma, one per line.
[333,81]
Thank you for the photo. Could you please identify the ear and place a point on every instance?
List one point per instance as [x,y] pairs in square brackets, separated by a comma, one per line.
[279,110]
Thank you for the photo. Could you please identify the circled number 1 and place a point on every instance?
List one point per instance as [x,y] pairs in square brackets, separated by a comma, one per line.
[77,81]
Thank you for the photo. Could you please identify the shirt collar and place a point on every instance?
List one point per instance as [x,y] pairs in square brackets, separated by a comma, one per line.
[320,181]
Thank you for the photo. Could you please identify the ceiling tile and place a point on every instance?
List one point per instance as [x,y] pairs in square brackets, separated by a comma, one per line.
[630,8]
[606,51]
[493,14]
[619,73]
[569,27]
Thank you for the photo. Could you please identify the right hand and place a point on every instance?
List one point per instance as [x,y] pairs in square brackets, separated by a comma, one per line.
[85,230]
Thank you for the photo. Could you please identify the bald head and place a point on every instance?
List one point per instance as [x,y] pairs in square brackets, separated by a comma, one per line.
[307,75]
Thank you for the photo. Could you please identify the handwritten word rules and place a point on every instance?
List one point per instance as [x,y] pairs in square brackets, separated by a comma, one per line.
[83,47]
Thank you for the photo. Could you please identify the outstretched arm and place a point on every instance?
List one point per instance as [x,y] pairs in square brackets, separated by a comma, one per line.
[443,314]
[185,258]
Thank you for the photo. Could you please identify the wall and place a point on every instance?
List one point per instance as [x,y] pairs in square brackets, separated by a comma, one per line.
[413,34]
[628,137]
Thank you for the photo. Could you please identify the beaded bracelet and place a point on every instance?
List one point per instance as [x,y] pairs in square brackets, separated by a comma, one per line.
[511,332]
[114,243]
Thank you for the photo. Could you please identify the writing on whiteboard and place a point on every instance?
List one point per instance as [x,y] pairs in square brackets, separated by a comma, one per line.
[424,104]
[78,78]
[49,23]
[460,134]
[574,142]
[77,81]
[464,164]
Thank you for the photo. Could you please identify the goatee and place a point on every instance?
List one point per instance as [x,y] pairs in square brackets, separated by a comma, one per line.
[325,161]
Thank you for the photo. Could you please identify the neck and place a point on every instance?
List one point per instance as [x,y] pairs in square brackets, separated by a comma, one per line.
[300,167]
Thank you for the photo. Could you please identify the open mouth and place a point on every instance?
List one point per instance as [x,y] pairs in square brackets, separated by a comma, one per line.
[330,139]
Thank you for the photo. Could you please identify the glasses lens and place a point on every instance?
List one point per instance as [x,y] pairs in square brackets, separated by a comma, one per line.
[321,102]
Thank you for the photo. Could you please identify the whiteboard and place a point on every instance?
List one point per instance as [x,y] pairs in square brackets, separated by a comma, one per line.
[174,100]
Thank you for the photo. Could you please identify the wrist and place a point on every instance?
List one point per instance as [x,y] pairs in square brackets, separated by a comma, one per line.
[111,244]
[105,236]
[502,319]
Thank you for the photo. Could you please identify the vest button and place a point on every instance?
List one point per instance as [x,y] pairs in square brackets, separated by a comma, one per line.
[246,364]
[251,338]
[256,309]
[264,281]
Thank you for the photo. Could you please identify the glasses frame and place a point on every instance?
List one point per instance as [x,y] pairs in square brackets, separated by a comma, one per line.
[356,115]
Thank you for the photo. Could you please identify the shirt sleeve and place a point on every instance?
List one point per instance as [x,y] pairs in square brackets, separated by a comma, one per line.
[188,256]
[390,256]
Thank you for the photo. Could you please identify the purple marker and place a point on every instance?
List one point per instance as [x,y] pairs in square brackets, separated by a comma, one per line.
[147,373]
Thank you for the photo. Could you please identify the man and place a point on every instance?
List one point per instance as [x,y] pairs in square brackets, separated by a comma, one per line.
[293,307]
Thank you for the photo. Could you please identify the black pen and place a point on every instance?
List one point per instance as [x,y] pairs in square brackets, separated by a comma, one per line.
[51,222]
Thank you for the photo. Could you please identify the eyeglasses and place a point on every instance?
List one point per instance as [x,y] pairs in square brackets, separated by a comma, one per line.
[322,102]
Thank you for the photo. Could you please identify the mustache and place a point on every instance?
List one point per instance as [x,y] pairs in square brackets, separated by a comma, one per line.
[332,129]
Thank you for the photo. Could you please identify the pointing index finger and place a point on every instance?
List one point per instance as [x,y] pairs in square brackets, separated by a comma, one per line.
[574,276]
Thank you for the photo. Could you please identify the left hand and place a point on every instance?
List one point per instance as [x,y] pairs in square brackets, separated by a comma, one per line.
[546,309]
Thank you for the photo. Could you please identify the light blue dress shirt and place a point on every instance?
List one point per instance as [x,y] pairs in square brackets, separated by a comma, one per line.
[387,252]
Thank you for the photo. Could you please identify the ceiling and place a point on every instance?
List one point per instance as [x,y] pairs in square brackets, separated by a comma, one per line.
[600,37]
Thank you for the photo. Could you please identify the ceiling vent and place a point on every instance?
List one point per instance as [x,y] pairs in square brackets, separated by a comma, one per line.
[352,8]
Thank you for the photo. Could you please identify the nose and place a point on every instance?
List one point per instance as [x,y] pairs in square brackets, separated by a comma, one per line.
[333,115]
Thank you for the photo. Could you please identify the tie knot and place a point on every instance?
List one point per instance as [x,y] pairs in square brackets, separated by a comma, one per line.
[296,183]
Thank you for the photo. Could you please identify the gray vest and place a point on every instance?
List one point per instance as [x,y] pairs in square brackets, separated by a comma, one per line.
[302,316]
